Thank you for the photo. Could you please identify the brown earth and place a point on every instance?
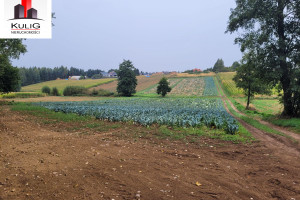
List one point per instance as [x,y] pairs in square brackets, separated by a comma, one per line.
[48,162]
[143,83]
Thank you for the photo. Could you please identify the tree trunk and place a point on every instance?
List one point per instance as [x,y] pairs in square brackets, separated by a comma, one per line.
[282,53]
[249,95]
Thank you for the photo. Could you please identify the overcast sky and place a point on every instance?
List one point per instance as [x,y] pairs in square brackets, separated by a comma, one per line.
[156,35]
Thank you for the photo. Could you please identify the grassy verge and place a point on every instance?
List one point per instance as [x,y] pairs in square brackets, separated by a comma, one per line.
[266,109]
[291,123]
[87,124]
[256,124]
[22,95]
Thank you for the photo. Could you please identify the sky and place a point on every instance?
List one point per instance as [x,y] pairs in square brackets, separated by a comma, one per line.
[156,35]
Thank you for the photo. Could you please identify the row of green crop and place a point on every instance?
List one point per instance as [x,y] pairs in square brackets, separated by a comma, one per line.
[210,88]
[185,112]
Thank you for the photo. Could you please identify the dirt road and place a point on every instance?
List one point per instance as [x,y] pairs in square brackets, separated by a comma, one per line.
[38,162]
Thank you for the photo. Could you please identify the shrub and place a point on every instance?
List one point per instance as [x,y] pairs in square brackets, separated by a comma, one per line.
[46,90]
[94,92]
[163,87]
[75,91]
[105,93]
[22,95]
[55,92]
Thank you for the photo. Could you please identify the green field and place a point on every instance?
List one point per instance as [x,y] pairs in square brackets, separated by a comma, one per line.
[61,84]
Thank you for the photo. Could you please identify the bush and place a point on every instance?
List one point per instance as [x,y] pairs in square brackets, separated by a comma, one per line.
[102,93]
[163,87]
[46,90]
[94,92]
[75,91]
[105,93]
[55,92]
[22,95]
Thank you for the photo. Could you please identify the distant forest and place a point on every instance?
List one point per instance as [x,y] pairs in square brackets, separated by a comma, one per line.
[36,75]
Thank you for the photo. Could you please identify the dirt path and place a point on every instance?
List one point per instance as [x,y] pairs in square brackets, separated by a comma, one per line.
[278,128]
[280,146]
[40,163]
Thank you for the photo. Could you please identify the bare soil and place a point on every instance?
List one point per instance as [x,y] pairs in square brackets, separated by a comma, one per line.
[143,83]
[42,162]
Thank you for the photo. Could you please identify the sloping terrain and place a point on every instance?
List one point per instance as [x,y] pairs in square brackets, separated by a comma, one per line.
[143,83]
[61,84]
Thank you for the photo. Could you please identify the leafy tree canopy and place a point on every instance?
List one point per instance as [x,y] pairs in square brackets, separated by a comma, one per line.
[163,87]
[247,78]
[9,76]
[219,66]
[271,29]
[235,65]
[126,79]
[12,48]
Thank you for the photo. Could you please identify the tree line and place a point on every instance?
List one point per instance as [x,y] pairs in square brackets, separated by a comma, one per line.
[34,75]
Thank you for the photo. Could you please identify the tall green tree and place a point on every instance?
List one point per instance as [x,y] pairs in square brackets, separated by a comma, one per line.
[12,48]
[271,29]
[219,66]
[235,65]
[126,79]
[163,87]
[9,75]
[247,78]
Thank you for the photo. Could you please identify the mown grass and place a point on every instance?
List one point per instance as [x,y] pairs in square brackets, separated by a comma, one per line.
[291,123]
[268,109]
[267,115]
[75,123]
[257,124]
[270,106]
[62,84]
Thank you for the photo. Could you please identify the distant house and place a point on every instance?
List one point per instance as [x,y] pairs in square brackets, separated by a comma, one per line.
[112,74]
[74,77]
[105,74]
[197,70]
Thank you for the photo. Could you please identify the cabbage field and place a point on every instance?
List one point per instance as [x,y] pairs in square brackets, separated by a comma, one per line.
[188,87]
[182,112]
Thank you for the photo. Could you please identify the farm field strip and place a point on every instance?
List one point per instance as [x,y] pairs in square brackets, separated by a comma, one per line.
[61,84]
[210,87]
[143,83]
[185,112]
[228,83]
[188,87]
[152,90]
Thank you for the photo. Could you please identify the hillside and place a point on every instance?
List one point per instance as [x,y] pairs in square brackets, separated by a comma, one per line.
[143,83]
[61,84]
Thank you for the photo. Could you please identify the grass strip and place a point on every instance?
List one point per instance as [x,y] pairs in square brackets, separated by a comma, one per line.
[256,124]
